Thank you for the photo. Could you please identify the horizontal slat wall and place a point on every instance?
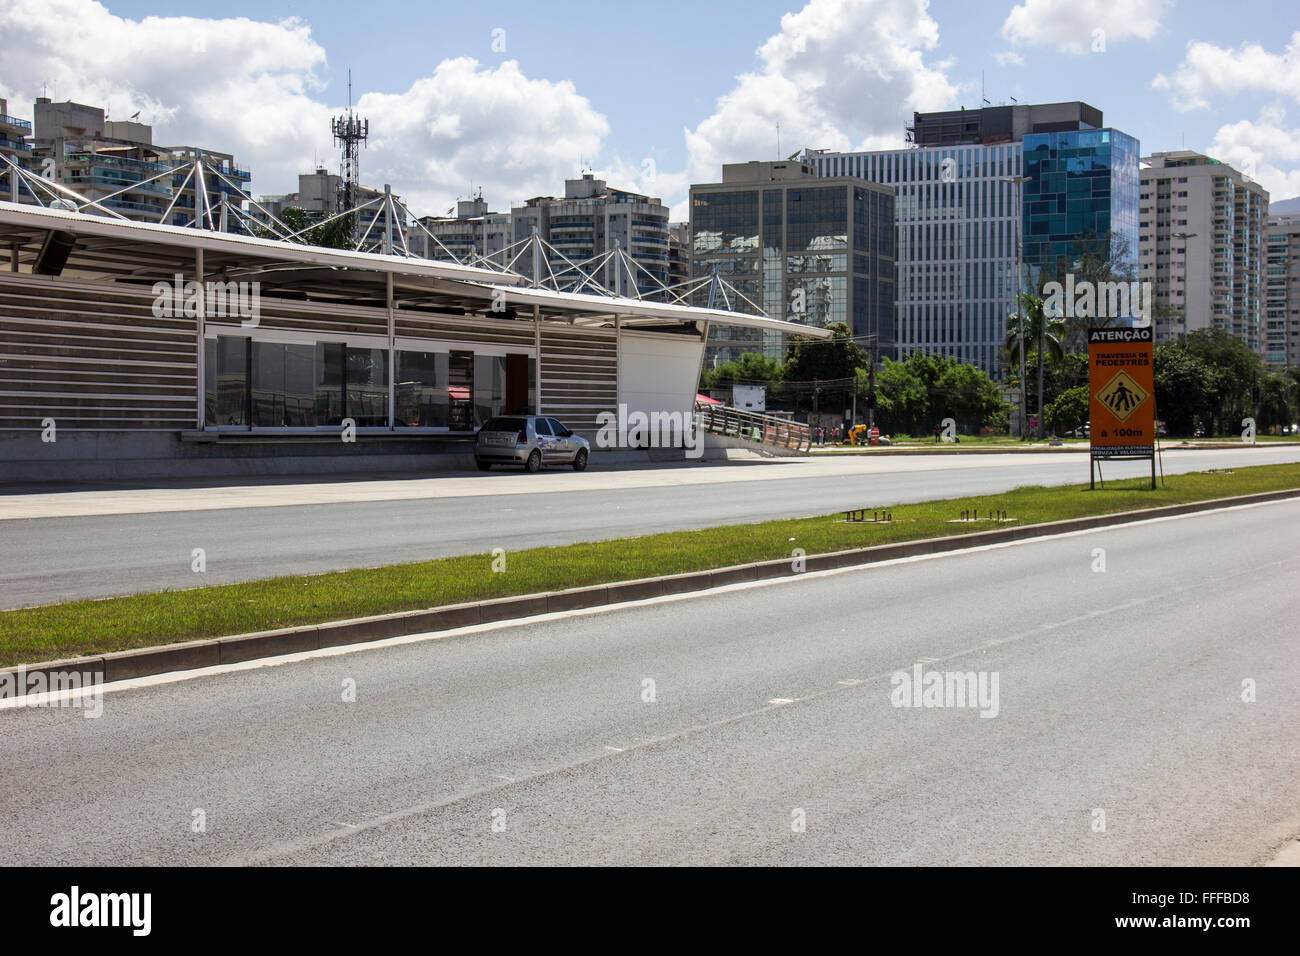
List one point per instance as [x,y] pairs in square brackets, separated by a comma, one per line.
[93,357]
[322,320]
[579,374]
[471,331]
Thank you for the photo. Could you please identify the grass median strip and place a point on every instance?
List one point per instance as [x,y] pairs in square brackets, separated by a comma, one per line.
[77,628]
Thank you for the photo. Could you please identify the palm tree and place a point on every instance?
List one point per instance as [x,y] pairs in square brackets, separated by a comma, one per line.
[1038,328]
[1052,335]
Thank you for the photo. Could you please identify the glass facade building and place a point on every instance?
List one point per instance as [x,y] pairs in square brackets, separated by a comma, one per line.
[807,250]
[957,226]
[1082,193]
[956,244]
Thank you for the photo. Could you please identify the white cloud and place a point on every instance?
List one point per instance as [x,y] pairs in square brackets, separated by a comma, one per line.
[1078,26]
[254,89]
[1207,69]
[469,123]
[1263,149]
[1009,58]
[840,74]
[230,85]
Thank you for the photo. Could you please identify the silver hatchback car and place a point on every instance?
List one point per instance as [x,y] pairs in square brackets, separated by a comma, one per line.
[531,441]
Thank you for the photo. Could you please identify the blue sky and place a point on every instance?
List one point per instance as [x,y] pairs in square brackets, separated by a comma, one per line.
[649,95]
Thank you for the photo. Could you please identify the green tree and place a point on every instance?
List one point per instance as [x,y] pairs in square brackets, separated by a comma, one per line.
[916,394]
[1235,371]
[1069,370]
[1068,410]
[752,368]
[808,358]
[1184,389]
[1274,405]
[333,235]
[1037,328]
[820,370]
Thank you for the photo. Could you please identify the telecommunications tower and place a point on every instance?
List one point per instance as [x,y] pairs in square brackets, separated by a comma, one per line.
[350,133]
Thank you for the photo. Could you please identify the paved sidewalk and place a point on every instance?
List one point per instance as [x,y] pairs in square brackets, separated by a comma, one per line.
[218,493]
[190,494]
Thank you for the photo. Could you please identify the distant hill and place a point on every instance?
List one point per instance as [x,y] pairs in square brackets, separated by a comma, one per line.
[1285,206]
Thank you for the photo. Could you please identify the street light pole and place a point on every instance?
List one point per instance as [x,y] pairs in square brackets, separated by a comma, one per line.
[1020,313]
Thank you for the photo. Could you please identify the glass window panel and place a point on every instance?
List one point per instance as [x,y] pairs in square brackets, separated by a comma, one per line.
[421,399]
[329,383]
[225,375]
[367,386]
[489,387]
[460,386]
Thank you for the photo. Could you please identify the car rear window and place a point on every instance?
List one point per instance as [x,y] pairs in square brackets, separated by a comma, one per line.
[505,424]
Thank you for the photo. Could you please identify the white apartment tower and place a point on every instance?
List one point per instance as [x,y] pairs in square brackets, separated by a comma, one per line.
[1282,291]
[1201,228]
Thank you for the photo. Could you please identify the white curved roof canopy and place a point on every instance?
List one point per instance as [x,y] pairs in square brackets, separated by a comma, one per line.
[141,253]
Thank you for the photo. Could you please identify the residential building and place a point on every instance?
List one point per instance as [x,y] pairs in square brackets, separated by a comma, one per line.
[592,219]
[14,146]
[811,250]
[1282,291]
[1202,231]
[679,253]
[76,147]
[474,232]
[320,195]
[117,164]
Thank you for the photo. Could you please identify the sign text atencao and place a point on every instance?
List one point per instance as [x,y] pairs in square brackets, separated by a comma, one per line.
[1121,396]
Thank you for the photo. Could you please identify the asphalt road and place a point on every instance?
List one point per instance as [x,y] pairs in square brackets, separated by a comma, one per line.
[1119,693]
[47,560]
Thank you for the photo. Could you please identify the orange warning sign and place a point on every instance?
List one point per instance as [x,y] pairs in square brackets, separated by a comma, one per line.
[1121,388]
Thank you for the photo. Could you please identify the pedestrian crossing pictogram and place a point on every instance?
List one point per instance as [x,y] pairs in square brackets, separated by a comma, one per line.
[1122,396]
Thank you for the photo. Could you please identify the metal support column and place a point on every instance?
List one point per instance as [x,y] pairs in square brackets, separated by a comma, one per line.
[388,219]
[392,351]
[199,365]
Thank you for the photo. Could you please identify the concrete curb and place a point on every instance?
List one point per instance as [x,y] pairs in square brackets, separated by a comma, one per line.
[950,449]
[143,662]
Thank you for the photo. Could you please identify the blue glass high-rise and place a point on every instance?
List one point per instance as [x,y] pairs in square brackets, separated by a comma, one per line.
[1081,199]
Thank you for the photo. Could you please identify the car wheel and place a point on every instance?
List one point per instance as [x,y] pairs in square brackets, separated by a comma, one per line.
[483,465]
[580,460]
[534,463]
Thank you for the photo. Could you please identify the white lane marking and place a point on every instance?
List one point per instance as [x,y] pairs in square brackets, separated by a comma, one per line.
[617,750]
[177,676]
[779,701]
[851,682]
